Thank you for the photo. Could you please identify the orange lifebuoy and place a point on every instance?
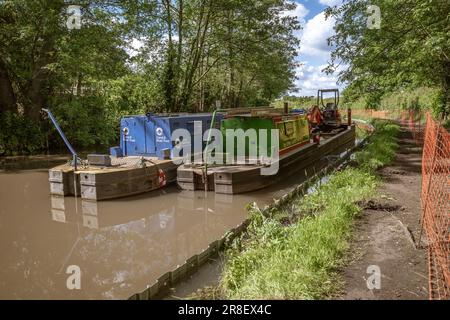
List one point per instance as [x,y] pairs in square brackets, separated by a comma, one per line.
[162,181]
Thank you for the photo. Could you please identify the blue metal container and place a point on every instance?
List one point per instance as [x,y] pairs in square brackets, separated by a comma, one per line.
[150,135]
[298,111]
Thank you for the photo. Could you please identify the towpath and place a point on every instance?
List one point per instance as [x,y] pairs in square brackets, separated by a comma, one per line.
[387,235]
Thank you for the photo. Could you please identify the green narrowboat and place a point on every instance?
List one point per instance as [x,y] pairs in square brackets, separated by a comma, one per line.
[293,132]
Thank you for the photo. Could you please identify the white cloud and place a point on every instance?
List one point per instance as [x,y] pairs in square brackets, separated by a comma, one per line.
[300,12]
[315,52]
[311,78]
[135,47]
[330,2]
[315,34]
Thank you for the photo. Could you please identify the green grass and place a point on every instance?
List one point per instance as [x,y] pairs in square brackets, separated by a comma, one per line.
[301,259]
[361,132]
[422,98]
[418,99]
[381,148]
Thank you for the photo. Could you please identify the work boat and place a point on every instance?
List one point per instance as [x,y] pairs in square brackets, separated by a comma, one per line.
[295,152]
[143,162]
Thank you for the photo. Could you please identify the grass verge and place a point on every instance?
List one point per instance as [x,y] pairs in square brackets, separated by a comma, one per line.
[300,258]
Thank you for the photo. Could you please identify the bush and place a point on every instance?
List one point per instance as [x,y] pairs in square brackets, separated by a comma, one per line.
[85,122]
[19,135]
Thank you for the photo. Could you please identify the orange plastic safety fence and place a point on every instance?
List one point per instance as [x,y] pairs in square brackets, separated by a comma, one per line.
[435,197]
[436,206]
[413,120]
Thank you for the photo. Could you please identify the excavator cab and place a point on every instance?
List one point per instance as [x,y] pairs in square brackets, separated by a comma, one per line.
[330,111]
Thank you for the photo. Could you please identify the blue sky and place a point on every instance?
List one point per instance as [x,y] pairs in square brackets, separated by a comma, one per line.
[314,52]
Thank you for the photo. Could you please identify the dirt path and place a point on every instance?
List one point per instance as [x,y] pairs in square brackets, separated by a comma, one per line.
[387,234]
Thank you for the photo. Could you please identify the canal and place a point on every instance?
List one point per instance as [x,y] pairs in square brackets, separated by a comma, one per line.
[121,246]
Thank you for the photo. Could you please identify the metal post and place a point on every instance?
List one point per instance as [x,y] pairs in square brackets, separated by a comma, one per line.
[213,120]
[206,149]
[63,136]
[349,117]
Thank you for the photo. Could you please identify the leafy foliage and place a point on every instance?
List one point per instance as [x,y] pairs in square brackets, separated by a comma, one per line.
[409,50]
[139,56]
[19,135]
[239,52]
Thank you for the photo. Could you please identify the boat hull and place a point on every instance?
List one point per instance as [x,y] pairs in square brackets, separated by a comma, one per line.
[101,183]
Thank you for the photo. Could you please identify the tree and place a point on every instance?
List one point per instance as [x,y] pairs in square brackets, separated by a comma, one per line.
[222,49]
[192,53]
[41,57]
[411,48]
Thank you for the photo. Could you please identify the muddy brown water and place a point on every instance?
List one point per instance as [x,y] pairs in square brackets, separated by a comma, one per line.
[121,246]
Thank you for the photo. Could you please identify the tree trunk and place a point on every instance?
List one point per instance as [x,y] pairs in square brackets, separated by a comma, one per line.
[446,92]
[169,77]
[239,95]
[38,84]
[197,50]
[37,100]
[79,84]
[7,97]
[179,53]
[231,93]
